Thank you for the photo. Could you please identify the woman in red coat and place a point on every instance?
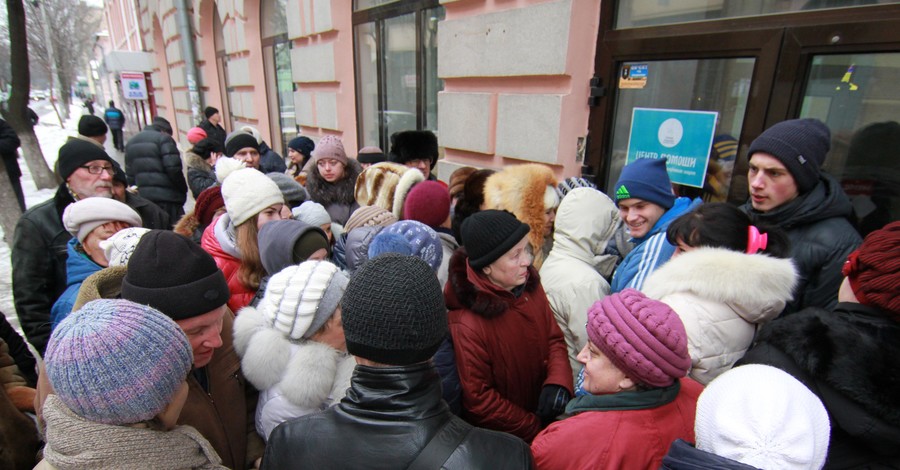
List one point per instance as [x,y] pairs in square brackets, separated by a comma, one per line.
[510,352]
[639,402]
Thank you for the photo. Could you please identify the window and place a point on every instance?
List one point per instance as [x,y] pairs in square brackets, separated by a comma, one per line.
[279,81]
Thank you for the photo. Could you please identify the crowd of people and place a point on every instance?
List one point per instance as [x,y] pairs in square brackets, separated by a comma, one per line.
[333,311]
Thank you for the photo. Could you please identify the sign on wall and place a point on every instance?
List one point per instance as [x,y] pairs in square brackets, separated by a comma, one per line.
[134,86]
[683,137]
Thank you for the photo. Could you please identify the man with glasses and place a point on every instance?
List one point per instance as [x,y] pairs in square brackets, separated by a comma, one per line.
[153,164]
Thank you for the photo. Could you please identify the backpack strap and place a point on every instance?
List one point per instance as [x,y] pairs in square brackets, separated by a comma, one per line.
[439,448]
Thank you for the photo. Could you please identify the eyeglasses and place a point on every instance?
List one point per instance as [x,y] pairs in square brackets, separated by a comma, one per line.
[97,169]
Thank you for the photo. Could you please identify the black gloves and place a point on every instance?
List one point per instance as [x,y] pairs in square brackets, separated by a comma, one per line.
[552,402]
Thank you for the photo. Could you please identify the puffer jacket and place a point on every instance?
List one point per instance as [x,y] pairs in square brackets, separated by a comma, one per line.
[821,239]
[508,348]
[153,163]
[339,198]
[78,267]
[391,413]
[356,247]
[200,175]
[218,243]
[575,274]
[269,160]
[722,297]
[683,456]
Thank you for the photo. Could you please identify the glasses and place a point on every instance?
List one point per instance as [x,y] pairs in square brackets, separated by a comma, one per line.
[97,169]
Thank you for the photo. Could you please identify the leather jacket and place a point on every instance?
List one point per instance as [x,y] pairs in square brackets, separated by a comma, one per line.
[388,416]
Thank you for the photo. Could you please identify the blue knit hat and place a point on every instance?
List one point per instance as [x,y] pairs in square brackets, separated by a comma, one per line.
[800,144]
[422,239]
[117,362]
[647,179]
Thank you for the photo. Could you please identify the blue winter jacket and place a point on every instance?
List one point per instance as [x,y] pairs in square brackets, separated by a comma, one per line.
[78,267]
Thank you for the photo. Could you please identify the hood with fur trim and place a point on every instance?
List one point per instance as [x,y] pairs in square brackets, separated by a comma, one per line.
[192,160]
[339,192]
[465,289]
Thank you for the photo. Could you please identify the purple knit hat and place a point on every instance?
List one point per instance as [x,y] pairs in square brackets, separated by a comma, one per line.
[643,337]
[117,362]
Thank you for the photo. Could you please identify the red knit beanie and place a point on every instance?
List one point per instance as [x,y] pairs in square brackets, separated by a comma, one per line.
[427,202]
[874,270]
[208,202]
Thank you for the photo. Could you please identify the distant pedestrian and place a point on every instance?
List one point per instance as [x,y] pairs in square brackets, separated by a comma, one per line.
[153,164]
[89,105]
[115,119]
[212,125]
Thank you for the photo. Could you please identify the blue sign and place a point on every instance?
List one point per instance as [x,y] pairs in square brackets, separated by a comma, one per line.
[683,137]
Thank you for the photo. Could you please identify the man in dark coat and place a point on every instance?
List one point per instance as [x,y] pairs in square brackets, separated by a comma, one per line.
[115,119]
[9,145]
[212,125]
[416,149]
[153,164]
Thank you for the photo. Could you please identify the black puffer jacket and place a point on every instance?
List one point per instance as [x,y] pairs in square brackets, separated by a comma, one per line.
[821,239]
[213,131]
[386,419]
[153,163]
[848,358]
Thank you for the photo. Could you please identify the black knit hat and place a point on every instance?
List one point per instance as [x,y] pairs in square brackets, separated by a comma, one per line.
[174,275]
[393,311]
[91,126]
[239,140]
[76,153]
[800,144]
[412,145]
[119,174]
[209,112]
[488,235]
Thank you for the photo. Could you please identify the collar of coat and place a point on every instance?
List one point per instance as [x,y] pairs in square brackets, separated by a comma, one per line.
[470,290]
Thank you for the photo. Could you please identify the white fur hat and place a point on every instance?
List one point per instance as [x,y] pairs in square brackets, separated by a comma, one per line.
[386,185]
[762,416]
[82,217]
[311,213]
[248,192]
[300,299]
[119,247]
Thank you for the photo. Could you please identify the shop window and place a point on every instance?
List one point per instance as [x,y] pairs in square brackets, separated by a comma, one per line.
[279,79]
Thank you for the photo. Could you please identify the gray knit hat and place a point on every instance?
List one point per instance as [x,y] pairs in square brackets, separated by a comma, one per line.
[293,192]
[393,311]
[300,299]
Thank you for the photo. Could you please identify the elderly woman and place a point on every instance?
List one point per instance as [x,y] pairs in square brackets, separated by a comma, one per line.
[332,179]
[510,353]
[639,402]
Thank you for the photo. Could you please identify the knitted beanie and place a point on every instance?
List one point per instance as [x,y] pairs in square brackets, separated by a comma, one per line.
[119,174]
[569,184]
[81,217]
[393,311]
[208,202]
[386,185]
[331,147]
[248,192]
[414,145]
[643,337]
[874,270]
[238,140]
[367,216]
[303,144]
[174,275]
[389,243]
[458,180]
[427,202]
[646,179]
[488,235]
[117,362]
[205,147]
[371,155]
[300,299]
[800,144]
[91,126]
[209,112]
[311,213]
[119,247]
[76,153]
[195,134]
[293,192]
[762,416]
[423,240]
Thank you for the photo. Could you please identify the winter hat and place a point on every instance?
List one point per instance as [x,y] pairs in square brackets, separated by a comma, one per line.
[76,153]
[287,242]
[311,213]
[569,184]
[458,180]
[386,185]
[238,140]
[206,146]
[195,134]
[91,126]
[489,234]
[371,155]
[332,147]
[117,362]
[800,144]
[248,192]
[208,202]
[293,192]
[300,299]
[643,337]
[874,270]
[367,216]
[393,311]
[423,240]
[209,112]
[226,166]
[119,247]
[82,217]
[427,202]
[647,179]
[252,131]
[304,145]
[119,174]
[162,124]
[413,145]
[762,416]
[174,275]
[389,243]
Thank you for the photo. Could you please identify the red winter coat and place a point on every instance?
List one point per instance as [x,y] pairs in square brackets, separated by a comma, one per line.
[615,439]
[240,294]
[507,349]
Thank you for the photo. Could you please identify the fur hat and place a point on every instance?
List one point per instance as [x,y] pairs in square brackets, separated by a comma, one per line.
[300,299]
[428,202]
[367,216]
[209,112]
[646,179]
[248,192]
[458,180]
[643,337]
[238,140]
[762,416]
[119,247]
[293,193]
[370,155]
[874,270]
[82,217]
[386,185]
[331,147]
[423,241]
[311,213]
[92,126]
[800,144]
[76,153]
[195,134]
[117,362]
[414,145]
[489,234]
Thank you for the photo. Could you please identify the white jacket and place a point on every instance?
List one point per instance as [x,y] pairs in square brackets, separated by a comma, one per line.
[574,274]
[722,297]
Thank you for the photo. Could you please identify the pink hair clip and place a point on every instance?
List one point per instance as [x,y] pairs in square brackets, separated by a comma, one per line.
[756,241]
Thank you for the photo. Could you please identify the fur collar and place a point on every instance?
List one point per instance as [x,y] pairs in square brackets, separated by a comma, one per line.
[192,160]
[341,192]
[187,225]
[479,296]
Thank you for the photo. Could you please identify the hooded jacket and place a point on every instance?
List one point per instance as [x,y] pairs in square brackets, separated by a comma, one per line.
[200,175]
[508,347]
[575,274]
[357,246]
[217,241]
[276,250]
[153,163]
[821,239]
[338,198]
[848,358]
[78,267]
[722,297]
[683,456]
